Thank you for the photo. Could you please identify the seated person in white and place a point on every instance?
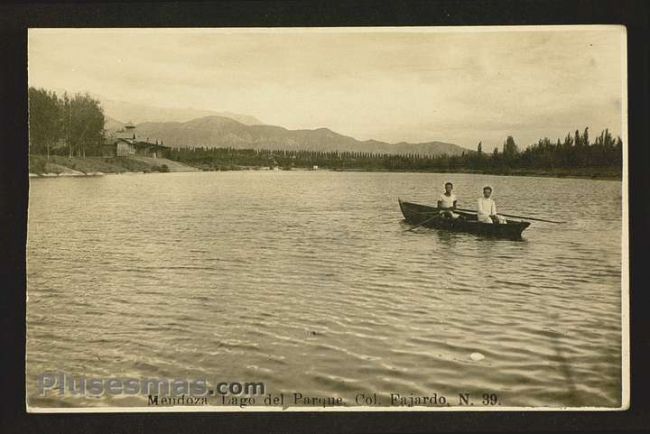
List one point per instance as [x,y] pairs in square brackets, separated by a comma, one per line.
[487,209]
[447,202]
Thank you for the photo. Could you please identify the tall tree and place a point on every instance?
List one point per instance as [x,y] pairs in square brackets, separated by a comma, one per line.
[44,120]
[510,148]
[66,121]
[86,125]
[578,139]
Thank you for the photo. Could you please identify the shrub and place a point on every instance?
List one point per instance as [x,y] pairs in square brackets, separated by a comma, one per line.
[37,165]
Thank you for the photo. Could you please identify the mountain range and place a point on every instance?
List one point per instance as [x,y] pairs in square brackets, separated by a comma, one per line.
[137,113]
[209,128]
[222,131]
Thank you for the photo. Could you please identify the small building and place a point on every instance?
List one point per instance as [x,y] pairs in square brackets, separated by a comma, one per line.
[124,143]
[123,148]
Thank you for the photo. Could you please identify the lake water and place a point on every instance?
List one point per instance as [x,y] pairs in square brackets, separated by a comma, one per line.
[308,282]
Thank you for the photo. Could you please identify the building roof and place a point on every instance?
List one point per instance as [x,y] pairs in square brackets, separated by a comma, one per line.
[137,143]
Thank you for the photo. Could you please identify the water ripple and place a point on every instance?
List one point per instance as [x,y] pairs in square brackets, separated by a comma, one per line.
[308,281]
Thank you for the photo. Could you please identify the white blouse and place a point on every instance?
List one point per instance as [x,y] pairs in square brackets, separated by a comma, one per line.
[486,207]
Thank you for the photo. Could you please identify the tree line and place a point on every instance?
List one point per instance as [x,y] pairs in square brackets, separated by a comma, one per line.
[72,125]
[576,151]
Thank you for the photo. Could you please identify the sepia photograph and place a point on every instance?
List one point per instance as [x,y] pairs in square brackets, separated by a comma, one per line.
[327,219]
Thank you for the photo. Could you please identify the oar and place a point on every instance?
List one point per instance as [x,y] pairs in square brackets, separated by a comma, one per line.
[421,223]
[516,216]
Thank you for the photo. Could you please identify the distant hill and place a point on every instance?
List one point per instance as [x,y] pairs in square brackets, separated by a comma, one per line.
[137,113]
[111,124]
[118,112]
[218,131]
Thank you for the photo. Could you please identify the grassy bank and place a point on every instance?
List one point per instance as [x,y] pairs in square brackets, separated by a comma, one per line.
[58,165]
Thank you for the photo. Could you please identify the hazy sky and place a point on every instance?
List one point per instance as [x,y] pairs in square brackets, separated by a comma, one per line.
[409,84]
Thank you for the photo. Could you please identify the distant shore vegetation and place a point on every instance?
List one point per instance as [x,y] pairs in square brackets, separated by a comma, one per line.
[576,155]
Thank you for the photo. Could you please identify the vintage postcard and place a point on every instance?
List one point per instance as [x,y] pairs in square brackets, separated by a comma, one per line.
[327,219]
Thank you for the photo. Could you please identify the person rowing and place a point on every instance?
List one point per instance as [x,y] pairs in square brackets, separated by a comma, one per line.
[487,208]
[447,202]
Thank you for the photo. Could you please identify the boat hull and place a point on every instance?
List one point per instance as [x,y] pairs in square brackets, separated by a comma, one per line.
[417,214]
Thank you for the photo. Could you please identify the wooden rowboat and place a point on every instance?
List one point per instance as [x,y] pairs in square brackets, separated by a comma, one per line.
[426,216]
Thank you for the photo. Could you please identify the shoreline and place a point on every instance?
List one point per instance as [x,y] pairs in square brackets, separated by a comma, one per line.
[531,174]
[528,174]
[33,175]
[64,175]
[58,166]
